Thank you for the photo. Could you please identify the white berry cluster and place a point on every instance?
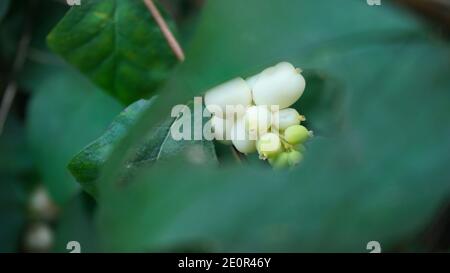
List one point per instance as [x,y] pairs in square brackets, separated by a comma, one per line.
[254,114]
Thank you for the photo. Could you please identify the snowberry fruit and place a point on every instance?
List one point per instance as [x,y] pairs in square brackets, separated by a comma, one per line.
[280,85]
[39,238]
[222,129]
[294,157]
[300,147]
[269,145]
[245,146]
[257,120]
[280,161]
[252,80]
[240,138]
[42,205]
[229,99]
[284,118]
[296,134]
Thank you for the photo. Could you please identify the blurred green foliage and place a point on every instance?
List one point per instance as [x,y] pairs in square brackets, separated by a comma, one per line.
[382,177]
[16,168]
[66,114]
[4,5]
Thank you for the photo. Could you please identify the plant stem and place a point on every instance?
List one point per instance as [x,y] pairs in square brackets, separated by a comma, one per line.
[171,40]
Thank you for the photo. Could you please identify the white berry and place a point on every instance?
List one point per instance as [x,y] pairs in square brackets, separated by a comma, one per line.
[222,129]
[286,117]
[229,99]
[252,80]
[257,120]
[280,85]
[240,138]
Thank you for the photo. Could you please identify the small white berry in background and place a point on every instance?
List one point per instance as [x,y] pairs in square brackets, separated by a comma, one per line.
[284,118]
[232,94]
[38,238]
[41,206]
[280,85]
[257,120]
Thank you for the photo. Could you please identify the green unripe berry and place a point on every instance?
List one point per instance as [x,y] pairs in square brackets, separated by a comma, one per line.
[281,161]
[294,157]
[296,134]
[300,147]
[269,145]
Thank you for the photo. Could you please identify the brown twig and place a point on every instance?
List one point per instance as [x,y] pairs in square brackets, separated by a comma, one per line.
[7,100]
[171,40]
[11,88]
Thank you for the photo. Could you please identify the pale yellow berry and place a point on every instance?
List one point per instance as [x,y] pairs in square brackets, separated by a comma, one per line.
[294,157]
[269,145]
[281,161]
[296,134]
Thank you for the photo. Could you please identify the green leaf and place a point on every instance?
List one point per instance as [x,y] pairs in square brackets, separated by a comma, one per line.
[87,164]
[117,44]
[382,176]
[66,113]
